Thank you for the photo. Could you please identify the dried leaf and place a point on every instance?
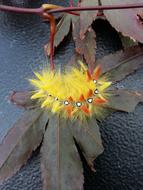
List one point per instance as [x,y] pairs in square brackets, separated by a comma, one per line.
[88,137]
[23,99]
[125,100]
[23,138]
[61,165]
[125,21]
[87,17]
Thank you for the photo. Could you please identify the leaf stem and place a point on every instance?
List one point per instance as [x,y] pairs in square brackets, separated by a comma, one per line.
[91,8]
[50,18]
[38,11]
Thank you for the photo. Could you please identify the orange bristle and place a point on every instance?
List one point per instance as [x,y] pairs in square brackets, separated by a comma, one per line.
[85,109]
[90,93]
[100,101]
[97,72]
[70,99]
[81,98]
[69,110]
[88,75]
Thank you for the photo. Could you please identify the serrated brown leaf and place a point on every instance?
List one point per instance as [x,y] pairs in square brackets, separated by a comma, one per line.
[88,137]
[112,61]
[123,63]
[87,17]
[126,69]
[86,46]
[140,16]
[74,59]
[125,21]
[23,138]
[62,30]
[61,166]
[124,100]
[23,99]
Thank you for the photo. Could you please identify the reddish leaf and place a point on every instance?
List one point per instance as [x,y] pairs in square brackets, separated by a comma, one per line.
[61,165]
[23,99]
[74,59]
[125,21]
[140,16]
[121,100]
[86,46]
[63,28]
[124,100]
[23,138]
[88,137]
[121,64]
[87,17]
[126,69]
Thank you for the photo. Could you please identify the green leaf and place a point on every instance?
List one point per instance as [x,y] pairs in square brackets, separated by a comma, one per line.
[125,21]
[23,138]
[121,64]
[124,100]
[88,137]
[61,166]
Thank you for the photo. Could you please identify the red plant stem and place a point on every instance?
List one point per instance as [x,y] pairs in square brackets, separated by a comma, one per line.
[69,9]
[52,35]
[91,8]
[51,18]
[73,13]
[38,11]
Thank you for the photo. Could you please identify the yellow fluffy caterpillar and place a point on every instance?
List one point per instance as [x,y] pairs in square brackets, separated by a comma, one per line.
[75,94]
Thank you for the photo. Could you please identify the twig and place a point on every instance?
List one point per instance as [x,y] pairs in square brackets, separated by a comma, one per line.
[91,8]
[51,18]
[38,11]
[69,9]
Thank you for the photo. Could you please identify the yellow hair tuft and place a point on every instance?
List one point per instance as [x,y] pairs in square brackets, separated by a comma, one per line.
[76,94]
